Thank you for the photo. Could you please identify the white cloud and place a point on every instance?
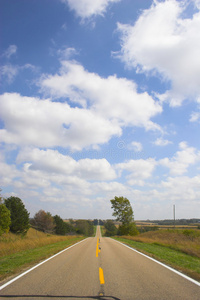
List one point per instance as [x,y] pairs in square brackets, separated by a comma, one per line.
[162,142]
[157,203]
[139,170]
[33,178]
[43,123]
[181,189]
[136,146]
[180,162]
[161,41]
[67,52]
[52,162]
[95,169]
[115,99]
[195,116]
[9,72]
[88,8]
[12,49]
[47,176]
[8,172]
[47,160]
[111,187]
[105,106]
[197,3]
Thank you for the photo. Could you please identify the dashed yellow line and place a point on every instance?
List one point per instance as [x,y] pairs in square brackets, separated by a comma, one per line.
[97,248]
[101,276]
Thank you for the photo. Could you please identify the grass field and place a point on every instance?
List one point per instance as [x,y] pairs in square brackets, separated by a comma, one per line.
[177,248]
[17,253]
[12,243]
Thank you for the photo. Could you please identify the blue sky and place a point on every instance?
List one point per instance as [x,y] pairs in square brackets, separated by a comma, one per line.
[101,99]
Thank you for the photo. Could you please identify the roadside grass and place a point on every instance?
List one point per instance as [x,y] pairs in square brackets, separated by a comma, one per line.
[167,246]
[187,240]
[12,243]
[17,253]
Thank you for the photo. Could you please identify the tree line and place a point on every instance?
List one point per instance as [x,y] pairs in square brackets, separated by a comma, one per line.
[177,221]
[14,217]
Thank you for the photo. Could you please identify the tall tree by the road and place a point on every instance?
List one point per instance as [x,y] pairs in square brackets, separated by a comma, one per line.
[124,214]
[59,225]
[19,215]
[62,227]
[43,221]
[5,220]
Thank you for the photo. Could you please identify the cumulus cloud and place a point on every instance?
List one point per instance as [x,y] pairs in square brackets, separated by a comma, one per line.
[115,99]
[67,52]
[181,189]
[163,42]
[162,142]
[51,177]
[110,187]
[43,123]
[92,111]
[51,161]
[136,146]
[195,115]
[88,8]
[8,172]
[180,162]
[139,170]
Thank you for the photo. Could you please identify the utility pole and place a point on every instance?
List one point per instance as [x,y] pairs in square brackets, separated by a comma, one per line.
[174,215]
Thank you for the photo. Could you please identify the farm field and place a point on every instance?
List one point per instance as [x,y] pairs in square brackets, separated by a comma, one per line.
[140,224]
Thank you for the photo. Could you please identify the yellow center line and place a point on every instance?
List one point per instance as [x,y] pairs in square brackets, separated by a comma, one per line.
[101,277]
[97,249]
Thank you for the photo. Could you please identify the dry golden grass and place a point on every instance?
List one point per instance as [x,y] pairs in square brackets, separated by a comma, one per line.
[187,241]
[12,243]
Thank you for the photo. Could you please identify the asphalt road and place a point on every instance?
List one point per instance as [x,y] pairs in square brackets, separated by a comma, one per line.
[101,268]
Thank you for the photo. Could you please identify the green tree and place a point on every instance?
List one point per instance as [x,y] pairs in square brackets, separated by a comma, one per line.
[110,228]
[69,228]
[19,215]
[95,222]
[84,227]
[43,221]
[5,220]
[128,229]
[60,227]
[124,213]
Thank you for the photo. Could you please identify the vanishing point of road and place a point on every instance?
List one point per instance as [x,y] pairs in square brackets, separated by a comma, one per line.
[100,268]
